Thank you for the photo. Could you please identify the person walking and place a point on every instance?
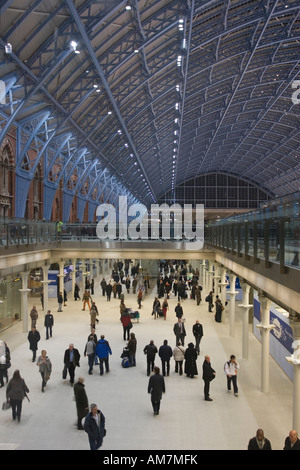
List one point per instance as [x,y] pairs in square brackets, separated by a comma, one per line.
[165,353]
[179,331]
[103,351]
[231,367]
[33,338]
[140,297]
[93,316]
[90,351]
[219,310]
[48,323]
[86,299]
[71,361]
[259,442]
[76,291]
[190,366]
[156,387]
[34,316]
[150,350]
[208,374]
[94,426]
[178,310]
[155,307]
[60,301]
[209,299]
[45,368]
[165,307]
[16,391]
[103,287]
[198,333]
[198,294]
[81,400]
[132,345]
[4,362]
[127,324]
[178,354]
[108,291]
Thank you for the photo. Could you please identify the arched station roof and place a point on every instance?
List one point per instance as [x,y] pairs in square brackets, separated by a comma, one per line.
[141,95]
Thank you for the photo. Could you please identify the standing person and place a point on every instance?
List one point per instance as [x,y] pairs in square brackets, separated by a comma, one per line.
[71,361]
[156,386]
[179,331]
[140,298]
[16,391]
[131,345]
[165,307]
[33,338]
[65,297]
[92,286]
[102,351]
[86,299]
[179,310]
[198,333]
[259,442]
[34,316]
[165,353]
[94,426]
[134,284]
[60,301]
[76,291]
[150,350]
[209,299]
[93,316]
[48,323]
[198,294]
[89,351]
[292,442]
[103,286]
[219,310]
[4,362]
[81,400]
[127,324]
[108,291]
[45,368]
[155,307]
[190,366]
[231,367]
[208,375]
[178,354]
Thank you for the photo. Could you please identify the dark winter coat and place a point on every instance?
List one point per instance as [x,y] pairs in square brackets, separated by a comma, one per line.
[81,400]
[190,355]
[156,386]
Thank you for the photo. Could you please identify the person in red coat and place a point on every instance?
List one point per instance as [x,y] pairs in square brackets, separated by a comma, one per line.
[126,322]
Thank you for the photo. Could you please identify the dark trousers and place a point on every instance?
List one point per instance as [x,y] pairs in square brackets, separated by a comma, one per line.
[126,331]
[91,359]
[150,365]
[178,367]
[155,405]
[95,443]
[206,389]
[197,343]
[48,330]
[71,369]
[16,408]
[232,379]
[103,360]
[165,367]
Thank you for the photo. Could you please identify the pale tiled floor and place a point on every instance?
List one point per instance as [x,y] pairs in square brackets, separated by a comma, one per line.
[186,421]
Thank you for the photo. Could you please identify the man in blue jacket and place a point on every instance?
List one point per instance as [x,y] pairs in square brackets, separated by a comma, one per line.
[94,425]
[102,351]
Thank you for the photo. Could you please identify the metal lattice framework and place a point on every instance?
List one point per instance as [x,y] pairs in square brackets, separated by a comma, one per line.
[153,93]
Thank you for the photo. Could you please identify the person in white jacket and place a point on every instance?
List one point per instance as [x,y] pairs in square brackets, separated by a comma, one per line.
[231,368]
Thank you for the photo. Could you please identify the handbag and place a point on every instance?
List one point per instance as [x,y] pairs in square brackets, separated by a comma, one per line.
[6,405]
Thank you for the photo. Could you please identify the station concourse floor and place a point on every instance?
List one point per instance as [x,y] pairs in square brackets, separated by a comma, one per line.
[186,421]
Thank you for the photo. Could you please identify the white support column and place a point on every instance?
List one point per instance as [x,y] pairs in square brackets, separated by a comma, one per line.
[245,306]
[74,262]
[223,284]
[265,328]
[61,276]
[295,360]
[24,303]
[232,293]
[45,283]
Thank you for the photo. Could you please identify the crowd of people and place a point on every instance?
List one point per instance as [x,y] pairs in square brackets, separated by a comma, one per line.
[172,281]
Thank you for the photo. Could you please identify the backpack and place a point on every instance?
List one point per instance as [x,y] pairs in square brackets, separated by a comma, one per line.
[125,362]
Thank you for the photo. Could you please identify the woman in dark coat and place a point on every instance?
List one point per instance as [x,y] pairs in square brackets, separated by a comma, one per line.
[81,400]
[190,366]
[16,391]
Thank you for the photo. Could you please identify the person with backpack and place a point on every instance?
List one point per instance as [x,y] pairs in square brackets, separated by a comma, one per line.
[231,367]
